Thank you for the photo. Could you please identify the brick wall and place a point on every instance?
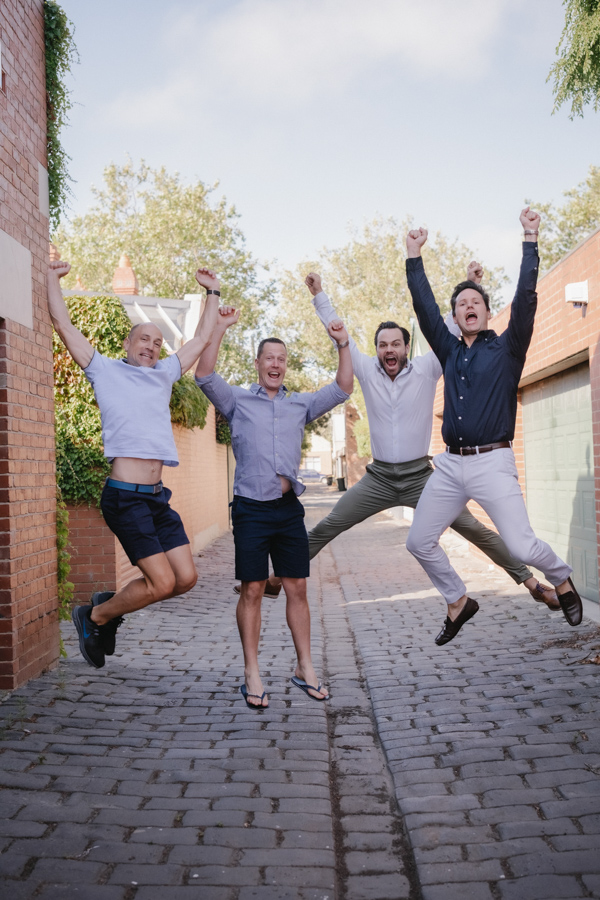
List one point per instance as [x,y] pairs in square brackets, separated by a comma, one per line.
[200,496]
[28,601]
[561,335]
[355,464]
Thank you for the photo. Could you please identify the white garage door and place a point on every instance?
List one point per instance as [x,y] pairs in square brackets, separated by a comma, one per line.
[559,471]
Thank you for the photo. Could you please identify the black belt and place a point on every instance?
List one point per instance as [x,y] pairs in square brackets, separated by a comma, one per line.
[138,488]
[473,451]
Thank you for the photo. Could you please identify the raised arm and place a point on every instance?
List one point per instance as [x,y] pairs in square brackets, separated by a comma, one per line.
[428,312]
[191,350]
[345,372]
[78,346]
[226,317]
[522,312]
[327,314]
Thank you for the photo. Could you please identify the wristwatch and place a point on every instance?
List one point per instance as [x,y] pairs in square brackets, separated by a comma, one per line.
[209,291]
[341,346]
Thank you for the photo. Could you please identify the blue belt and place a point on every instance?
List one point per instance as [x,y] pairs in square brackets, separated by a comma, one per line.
[138,488]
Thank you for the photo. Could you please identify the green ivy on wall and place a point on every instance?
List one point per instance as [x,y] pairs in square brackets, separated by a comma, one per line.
[61,53]
[81,467]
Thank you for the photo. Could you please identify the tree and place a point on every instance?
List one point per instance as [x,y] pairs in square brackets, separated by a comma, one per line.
[577,70]
[366,280]
[565,226]
[168,229]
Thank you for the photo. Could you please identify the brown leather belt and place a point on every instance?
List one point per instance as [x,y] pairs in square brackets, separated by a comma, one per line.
[473,451]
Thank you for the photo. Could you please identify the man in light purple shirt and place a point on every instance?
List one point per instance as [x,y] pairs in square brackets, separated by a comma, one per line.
[267,424]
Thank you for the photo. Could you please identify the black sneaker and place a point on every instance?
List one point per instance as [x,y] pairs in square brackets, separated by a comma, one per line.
[108,632]
[90,638]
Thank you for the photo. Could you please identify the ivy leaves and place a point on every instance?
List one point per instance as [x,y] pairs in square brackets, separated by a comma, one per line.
[61,53]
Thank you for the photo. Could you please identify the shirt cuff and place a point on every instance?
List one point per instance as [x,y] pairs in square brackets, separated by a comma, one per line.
[204,379]
[340,393]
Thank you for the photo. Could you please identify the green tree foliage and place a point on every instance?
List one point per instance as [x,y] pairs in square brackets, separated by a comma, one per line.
[60,55]
[565,226]
[168,230]
[80,463]
[576,72]
[366,280]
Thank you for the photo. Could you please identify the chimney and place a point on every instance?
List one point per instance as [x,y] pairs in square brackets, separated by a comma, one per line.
[79,285]
[54,254]
[124,280]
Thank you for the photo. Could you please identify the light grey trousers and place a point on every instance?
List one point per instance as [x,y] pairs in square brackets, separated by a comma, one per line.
[493,481]
[401,484]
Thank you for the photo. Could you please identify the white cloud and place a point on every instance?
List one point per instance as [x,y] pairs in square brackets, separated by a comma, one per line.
[292,53]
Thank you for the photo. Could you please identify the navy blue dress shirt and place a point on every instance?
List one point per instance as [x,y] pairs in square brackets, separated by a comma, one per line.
[480,381]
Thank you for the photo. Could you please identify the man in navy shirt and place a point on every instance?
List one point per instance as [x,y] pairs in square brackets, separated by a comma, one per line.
[481,377]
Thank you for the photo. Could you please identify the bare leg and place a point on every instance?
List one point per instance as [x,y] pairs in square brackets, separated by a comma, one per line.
[248,621]
[298,619]
[164,575]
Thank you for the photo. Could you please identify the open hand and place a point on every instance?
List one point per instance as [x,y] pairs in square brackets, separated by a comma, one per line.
[207,279]
[530,220]
[475,272]
[59,267]
[337,331]
[415,240]
[313,283]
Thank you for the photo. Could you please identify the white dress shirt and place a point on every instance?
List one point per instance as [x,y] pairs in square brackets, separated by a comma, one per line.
[400,411]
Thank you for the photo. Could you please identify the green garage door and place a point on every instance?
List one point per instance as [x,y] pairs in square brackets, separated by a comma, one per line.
[559,470]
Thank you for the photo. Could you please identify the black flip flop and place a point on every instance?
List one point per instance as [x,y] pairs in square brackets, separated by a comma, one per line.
[245,695]
[308,687]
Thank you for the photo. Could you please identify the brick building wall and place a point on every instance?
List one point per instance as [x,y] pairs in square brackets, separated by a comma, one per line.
[355,464]
[28,600]
[200,496]
[562,337]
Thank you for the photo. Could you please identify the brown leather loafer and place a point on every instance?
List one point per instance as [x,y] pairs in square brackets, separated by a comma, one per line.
[571,605]
[451,628]
[543,593]
[269,591]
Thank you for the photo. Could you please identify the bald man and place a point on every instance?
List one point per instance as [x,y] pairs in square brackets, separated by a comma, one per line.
[133,394]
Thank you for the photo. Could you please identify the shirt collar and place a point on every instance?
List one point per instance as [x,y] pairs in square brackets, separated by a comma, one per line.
[259,389]
[484,335]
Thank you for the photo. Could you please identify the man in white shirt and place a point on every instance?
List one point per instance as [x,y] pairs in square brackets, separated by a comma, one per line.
[399,395]
[133,394]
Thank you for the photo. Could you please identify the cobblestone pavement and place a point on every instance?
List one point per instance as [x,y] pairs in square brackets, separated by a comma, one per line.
[470,771]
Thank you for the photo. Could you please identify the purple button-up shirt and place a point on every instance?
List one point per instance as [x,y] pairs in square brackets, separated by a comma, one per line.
[266,435]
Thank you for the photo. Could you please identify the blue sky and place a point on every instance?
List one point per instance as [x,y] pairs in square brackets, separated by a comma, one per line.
[315,115]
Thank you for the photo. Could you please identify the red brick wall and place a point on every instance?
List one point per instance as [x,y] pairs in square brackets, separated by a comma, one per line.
[560,332]
[92,549]
[28,605]
[199,486]
[355,464]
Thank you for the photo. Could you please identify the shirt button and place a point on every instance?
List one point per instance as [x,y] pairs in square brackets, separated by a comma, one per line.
[466,360]
[462,377]
[459,418]
[460,439]
[460,398]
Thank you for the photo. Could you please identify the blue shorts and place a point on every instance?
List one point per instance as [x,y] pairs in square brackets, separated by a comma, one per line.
[144,523]
[275,528]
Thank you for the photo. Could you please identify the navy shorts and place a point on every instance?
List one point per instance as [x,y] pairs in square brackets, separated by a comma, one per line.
[275,528]
[144,523]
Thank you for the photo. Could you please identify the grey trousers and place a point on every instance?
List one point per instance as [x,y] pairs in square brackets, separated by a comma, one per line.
[386,485]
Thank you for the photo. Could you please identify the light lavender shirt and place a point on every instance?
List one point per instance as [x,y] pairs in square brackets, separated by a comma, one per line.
[266,435]
[400,411]
[134,406]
